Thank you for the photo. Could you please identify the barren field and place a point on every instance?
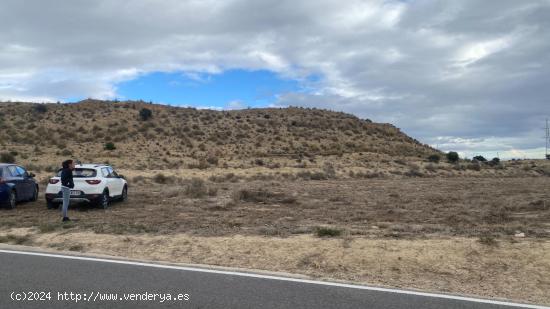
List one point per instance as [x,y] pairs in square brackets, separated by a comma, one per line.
[484,236]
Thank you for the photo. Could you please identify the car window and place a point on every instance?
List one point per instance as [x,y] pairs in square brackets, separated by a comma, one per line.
[1,172]
[84,172]
[13,171]
[21,171]
[105,172]
[112,173]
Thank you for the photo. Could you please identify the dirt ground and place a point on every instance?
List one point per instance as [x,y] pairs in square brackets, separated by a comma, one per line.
[483,236]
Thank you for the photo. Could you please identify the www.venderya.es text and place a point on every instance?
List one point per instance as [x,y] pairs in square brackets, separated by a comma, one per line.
[95,296]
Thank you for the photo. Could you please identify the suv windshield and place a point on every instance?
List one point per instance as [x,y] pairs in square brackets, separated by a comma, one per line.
[81,173]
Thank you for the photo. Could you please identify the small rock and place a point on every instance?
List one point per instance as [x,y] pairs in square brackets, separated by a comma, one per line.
[521,235]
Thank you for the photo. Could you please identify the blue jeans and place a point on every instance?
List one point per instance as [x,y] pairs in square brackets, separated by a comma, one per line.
[66,198]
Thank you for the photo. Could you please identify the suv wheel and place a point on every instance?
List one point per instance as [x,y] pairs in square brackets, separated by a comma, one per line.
[124,196]
[104,200]
[35,195]
[12,199]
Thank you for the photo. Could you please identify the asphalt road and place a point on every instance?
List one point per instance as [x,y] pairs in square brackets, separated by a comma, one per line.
[34,275]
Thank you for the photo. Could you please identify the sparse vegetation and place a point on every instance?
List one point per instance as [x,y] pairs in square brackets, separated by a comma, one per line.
[205,139]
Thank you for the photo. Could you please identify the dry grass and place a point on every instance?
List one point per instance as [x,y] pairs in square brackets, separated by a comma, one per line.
[441,234]
[395,208]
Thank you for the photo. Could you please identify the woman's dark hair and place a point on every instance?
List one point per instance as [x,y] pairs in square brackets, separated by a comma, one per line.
[66,163]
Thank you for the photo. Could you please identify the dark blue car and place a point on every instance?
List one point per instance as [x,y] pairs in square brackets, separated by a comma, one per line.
[16,185]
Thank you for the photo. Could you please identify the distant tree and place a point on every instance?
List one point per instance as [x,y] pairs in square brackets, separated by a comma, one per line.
[495,161]
[480,158]
[110,146]
[145,114]
[435,158]
[452,157]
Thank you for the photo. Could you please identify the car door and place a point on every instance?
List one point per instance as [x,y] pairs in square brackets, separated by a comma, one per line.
[116,181]
[109,181]
[28,182]
[17,179]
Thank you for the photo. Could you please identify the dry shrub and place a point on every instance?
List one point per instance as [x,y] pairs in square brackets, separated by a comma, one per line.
[488,240]
[328,232]
[197,188]
[414,171]
[262,196]
[497,215]
[163,179]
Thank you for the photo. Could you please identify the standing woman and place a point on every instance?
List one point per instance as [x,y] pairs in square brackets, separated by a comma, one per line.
[66,185]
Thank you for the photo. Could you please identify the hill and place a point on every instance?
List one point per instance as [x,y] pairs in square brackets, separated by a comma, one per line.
[176,137]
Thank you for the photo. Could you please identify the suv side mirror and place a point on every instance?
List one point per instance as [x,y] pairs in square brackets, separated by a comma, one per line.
[121,176]
[31,175]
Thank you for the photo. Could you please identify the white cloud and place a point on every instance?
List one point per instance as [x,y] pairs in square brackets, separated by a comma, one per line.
[236,104]
[479,50]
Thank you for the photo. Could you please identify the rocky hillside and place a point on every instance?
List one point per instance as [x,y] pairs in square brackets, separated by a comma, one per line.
[146,135]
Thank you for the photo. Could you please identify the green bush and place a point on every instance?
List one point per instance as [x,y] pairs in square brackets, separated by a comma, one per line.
[480,158]
[328,232]
[110,146]
[452,157]
[7,157]
[435,158]
[145,114]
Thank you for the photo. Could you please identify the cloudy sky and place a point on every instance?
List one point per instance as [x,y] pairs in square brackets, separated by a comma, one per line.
[471,76]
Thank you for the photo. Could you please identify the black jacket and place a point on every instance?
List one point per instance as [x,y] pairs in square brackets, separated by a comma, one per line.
[67,178]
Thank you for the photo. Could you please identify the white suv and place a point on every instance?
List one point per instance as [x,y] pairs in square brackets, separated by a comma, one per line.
[94,183]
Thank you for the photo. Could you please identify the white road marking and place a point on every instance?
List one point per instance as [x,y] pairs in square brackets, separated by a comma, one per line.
[270,277]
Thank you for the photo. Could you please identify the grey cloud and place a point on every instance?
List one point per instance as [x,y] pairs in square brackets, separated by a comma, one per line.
[474,73]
